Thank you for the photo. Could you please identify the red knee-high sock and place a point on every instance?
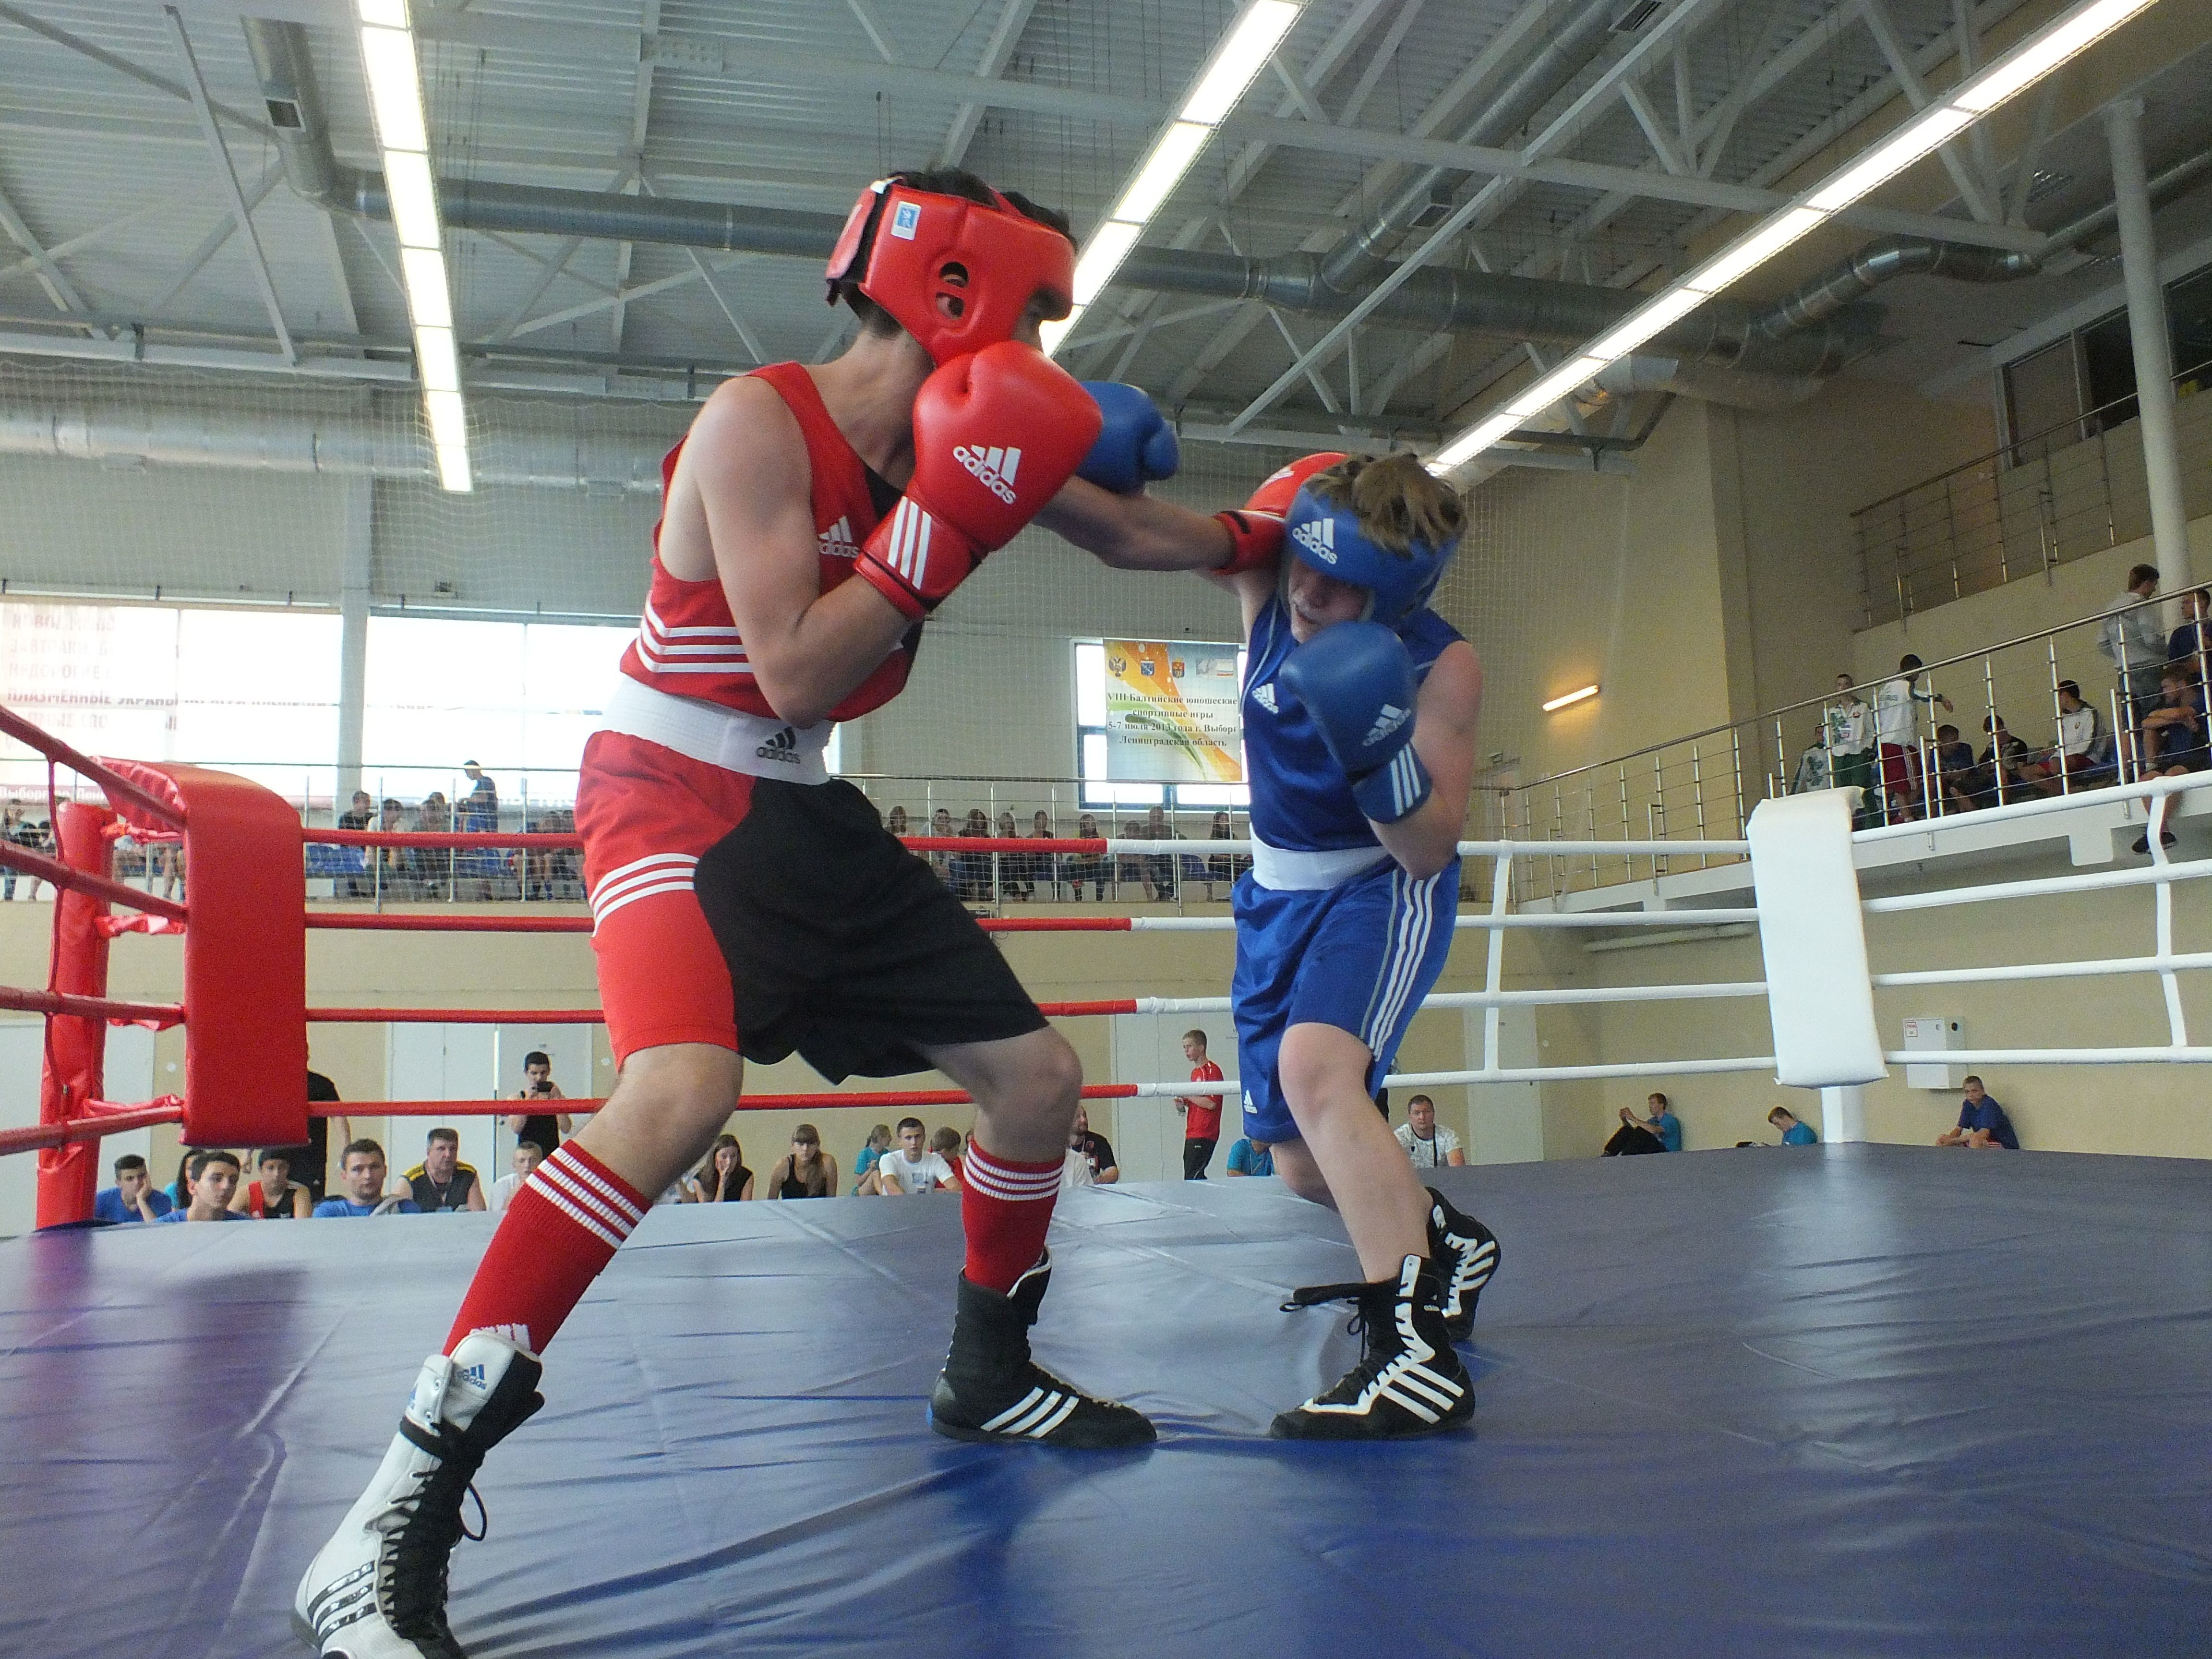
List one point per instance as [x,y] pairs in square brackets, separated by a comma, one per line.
[562,1226]
[1005,1207]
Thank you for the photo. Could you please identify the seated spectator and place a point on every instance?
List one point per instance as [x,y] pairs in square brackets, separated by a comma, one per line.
[940,828]
[864,1166]
[723,1178]
[1251,1158]
[1079,867]
[1657,1131]
[1160,871]
[913,1167]
[2072,761]
[1814,773]
[1040,865]
[528,1156]
[362,1169]
[395,865]
[134,1197]
[1427,1142]
[442,1182]
[1097,1151]
[804,1172]
[895,822]
[362,817]
[181,1189]
[947,1144]
[1982,1122]
[1957,778]
[215,1179]
[274,1196]
[2001,775]
[1223,868]
[434,865]
[1014,880]
[2173,728]
[1794,1133]
[971,872]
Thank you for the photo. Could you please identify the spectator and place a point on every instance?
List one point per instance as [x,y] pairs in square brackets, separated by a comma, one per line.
[478,811]
[2187,644]
[1081,867]
[32,837]
[1074,1170]
[528,1155]
[1847,729]
[940,826]
[2132,638]
[1014,882]
[442,1182]
[1427,1142]
[1223,868]
[1982,1122]
[1899,706]
[2076,757]
[361,814]
[1251,1158]
[1657,1131]
[1958,779]
[362,1168]
[1812,775]
[804,1172]
[1041,864]
[1794,1133]
[215,1180]
[723,1178]
[434,865]
[1097,1151]
[864,1166]
[181,1189]
[477,814]
[395,865]
[1201,1123]
[2002,774]
[946,1143]
[546,1129]
[971,872]
[896,823]
[2173,728]
[1160,871]
[134,1197]
[911,1167]
[274,1196]
[1127,866]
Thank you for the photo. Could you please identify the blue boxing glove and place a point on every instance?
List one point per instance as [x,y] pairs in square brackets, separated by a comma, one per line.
[1356,682]
[1134,447]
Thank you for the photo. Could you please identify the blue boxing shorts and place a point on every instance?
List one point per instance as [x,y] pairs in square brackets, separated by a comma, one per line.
[1359,956]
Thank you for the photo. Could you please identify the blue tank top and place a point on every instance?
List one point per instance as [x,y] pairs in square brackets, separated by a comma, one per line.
[1300,799]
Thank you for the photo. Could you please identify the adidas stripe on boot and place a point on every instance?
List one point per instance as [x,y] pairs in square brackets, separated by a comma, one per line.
[1465,1254]
[1409,1379]
[377,1590]
[990,1388]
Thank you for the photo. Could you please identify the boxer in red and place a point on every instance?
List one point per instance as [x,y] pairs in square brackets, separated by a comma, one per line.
[744,902]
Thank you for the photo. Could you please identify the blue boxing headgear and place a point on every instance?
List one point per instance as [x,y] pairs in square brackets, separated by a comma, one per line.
[1327,539]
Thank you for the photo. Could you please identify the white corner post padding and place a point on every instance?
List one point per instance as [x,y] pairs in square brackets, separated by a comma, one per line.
[1819,995]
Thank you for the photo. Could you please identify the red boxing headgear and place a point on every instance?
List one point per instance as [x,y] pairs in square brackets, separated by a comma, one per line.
[912,248]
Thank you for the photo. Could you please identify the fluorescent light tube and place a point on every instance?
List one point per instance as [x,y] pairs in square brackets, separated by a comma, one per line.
[1582,695]
[1922,134]
[454,472]
[384,14]
[1109,245]
[1239,59]
[1178,147]
[1472,442]
[1053,333]
[449,422]
[395,88]
[2032,59]
[1655,316]
[1756,249]
[428,296]
[434,360]
[414,199]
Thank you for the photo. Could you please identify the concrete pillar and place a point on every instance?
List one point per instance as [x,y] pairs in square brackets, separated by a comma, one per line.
[2153,352]
[354,568]
[1843,1114]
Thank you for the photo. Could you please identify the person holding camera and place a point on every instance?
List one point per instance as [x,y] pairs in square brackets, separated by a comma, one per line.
[543,1128]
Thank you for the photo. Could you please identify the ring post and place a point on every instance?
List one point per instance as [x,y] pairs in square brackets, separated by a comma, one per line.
[72,1072]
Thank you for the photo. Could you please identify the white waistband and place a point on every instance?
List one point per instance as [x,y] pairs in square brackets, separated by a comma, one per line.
[1280,868]
[728,738]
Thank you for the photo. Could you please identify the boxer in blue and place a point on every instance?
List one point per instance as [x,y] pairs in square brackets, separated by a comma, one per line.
[1360,706]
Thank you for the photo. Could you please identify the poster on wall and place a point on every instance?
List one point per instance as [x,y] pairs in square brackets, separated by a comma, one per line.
[1172,713]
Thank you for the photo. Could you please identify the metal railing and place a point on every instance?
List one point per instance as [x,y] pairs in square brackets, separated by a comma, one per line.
[1704,785]
[2040,501]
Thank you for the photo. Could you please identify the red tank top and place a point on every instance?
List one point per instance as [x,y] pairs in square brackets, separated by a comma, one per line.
[687,641]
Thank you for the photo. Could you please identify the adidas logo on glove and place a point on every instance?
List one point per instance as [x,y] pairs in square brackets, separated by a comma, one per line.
[1388,721]
[783,746]
[1318,538]
[994,468]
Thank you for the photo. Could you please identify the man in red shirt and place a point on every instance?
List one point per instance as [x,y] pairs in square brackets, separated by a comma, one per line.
[745,902]
[1202,1124]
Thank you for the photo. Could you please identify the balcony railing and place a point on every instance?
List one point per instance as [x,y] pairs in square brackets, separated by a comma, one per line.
[2042,500]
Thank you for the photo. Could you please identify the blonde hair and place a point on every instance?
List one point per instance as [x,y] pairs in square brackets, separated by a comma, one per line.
[1395,498]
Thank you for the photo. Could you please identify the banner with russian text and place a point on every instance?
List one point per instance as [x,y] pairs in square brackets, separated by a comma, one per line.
[1172,713]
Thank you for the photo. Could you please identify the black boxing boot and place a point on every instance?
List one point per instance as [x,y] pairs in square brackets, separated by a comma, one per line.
[990,1390]
[1409,1379]
[1465,1254]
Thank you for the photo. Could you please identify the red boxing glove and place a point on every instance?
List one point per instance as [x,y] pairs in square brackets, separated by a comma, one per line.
[996,434]
[1256,535]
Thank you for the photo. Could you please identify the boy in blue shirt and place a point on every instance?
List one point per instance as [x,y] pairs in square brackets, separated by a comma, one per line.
[215,1177]
[1794,1133]
[134,1197]
[1251,1158]
[1982,1122]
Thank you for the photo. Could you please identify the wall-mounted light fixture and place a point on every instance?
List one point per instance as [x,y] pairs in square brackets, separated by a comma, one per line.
[1569,699]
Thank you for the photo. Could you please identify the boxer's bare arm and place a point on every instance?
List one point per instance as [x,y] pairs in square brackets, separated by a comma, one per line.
[1444,737]
[740,507]
[1134,533]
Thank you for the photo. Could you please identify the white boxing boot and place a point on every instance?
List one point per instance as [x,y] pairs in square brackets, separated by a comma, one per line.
[376,1590]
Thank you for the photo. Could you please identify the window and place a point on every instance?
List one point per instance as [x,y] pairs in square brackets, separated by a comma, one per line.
[1099,789]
